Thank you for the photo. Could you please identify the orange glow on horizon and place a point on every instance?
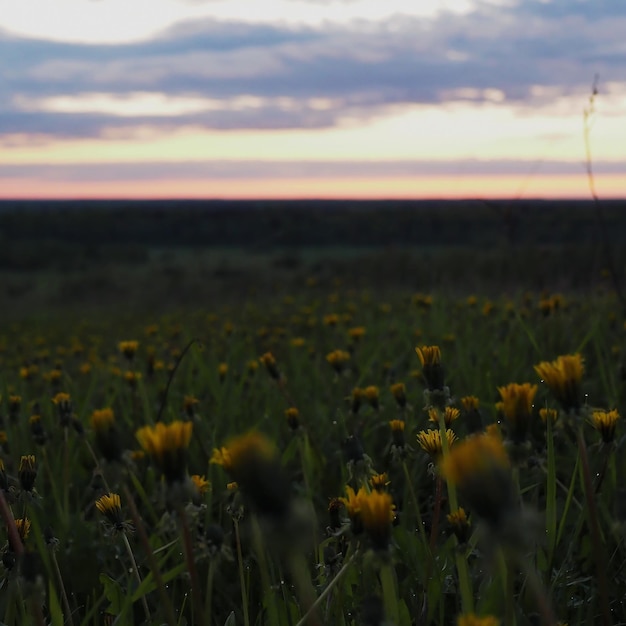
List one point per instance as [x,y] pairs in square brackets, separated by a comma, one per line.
[433,187]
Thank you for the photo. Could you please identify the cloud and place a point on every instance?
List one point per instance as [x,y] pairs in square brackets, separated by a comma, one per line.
[526,54]
[239,170]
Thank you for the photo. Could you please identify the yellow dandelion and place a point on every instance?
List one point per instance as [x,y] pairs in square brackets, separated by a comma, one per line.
[102,419]
[293,417]
[270,364]
[450,414]
[379,482]
[480,468]
[460,525]
[201,484]
[23,527]
[27,472]
[377,513]
[167,445]
[548,414]
[398,391]
[516,406]
[563,377]
[605,422]
[357,333]
[338,359]
[128,348]
[430,441]
[253,462]
[372,394]
[470,403]
[432,371]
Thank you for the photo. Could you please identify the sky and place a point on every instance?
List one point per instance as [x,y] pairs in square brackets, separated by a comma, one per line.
[311,98]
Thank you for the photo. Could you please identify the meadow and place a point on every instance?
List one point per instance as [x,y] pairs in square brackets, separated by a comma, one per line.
[334,433]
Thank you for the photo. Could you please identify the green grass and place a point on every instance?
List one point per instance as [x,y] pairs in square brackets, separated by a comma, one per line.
[254,567]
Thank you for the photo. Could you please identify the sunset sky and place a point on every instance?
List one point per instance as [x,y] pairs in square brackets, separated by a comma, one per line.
[310,98]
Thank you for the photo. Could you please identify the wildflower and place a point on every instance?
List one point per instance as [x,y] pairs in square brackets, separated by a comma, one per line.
[357,333]
[516,406]
[232,486]
[398,391]
[430,441]
[293,417]
[110,506]
[460,525]
[222,370]
[167,445]
[37,430]
[605,423]
[332,319]
[132,378]
[201,484]
[379,482]
[15,404]
[63,402]
[377,513]
[423,301]
[430,358]
[471,414]
[397,433]
[252,461]
[54,377]
[548,414]
[27,472]
[353,507]
[470,403]
[338,359]
[563,377]
[333,513]
[107,436]
[189,404]
[470,619]
[449,415]
[297,342]
[480,468]
[23,527]
[357,398]
[270,364]
[252,366]
[128,348]
[372,394]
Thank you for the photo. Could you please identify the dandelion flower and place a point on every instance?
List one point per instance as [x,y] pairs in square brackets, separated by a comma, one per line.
[563,377]
[480,468]
[605,423]
[167,445]
[430,441]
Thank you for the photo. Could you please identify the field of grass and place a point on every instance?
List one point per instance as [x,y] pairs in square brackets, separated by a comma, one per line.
[259,437]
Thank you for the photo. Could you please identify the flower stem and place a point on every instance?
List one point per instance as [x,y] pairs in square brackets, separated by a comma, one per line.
[242,578]
[191,566]
[594,527]
[331,585]
[390,594]
[170,617]
[129,550]
[465,585]
[66,604]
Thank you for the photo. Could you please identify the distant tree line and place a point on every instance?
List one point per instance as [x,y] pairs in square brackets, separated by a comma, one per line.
[283,224]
